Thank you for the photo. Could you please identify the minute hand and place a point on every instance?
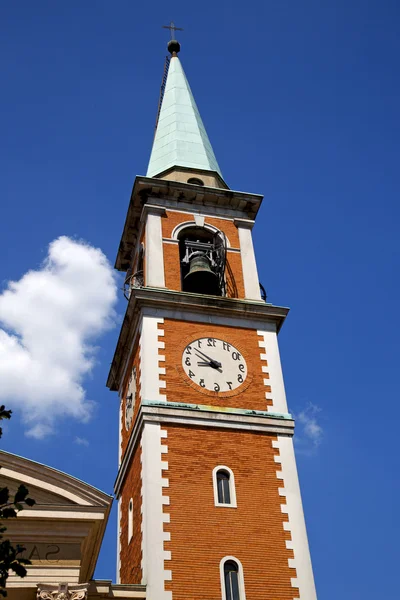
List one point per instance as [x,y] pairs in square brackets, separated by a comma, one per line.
[212,361]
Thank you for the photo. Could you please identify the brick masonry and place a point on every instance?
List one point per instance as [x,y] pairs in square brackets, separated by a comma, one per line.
[179,388]
[202,534]
[196,533]
[131,553]
[134,361]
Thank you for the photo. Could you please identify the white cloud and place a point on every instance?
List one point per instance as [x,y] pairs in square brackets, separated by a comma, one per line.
[309,432]
[48,319]
[81,441]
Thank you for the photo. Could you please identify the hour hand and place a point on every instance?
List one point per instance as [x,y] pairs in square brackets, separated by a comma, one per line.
[213,363]
[209,364]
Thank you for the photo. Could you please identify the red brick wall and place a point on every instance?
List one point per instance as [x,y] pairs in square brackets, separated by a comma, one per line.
[179,387]
[131,554]
[202,534]
[133,361]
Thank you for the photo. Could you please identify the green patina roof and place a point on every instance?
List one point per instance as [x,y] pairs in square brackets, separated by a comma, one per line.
[181,139]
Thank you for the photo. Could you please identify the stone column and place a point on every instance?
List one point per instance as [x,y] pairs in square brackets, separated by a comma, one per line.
[154,255]
[249,266]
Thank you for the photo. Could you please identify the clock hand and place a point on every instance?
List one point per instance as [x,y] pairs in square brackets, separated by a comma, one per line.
[208,364]
[212,361]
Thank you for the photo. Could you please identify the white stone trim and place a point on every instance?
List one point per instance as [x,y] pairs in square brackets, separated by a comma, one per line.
[270,353]
[210,319]
[130,520]
[232,487]
[200,416]
[22,478]
[186,224]
[120,426]
[119,516]
[220,212]
[290,490]
[153,517]
[53,513]
[150,370]
[242,591]
[199,220]
[154,256]
[249,265]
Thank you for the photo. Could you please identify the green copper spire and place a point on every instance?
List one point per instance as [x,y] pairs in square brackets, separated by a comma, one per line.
[181,139]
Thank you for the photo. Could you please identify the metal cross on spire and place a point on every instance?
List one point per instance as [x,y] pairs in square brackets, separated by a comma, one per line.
[172,29]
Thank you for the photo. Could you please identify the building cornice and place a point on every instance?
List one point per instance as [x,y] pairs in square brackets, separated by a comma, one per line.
[149,189]
[202,416]
[245,313]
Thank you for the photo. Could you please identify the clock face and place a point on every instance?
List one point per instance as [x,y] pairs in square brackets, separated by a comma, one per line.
[130,399]
[214,364]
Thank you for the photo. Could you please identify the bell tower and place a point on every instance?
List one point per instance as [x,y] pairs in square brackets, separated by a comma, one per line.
[207,487]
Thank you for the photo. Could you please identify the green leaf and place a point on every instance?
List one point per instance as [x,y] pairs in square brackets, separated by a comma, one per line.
[4,495]
[8,513]
[18,568]
[21,494]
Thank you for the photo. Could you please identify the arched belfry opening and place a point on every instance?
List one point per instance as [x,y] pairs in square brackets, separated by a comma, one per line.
[202,258]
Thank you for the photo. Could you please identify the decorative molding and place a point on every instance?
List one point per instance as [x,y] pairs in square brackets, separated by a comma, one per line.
[201,416]
[62,591]
[245,223]
[153,209]
[179,195]
[293,508]
[186,224]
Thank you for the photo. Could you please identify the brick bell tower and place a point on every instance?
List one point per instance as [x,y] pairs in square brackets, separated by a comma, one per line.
[207,488]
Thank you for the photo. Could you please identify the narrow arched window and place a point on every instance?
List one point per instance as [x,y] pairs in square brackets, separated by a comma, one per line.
[130,520]
[231,578]
[224,487]
[224,496]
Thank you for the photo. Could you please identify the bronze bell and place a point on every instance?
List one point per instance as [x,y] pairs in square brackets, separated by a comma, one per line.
[201,279]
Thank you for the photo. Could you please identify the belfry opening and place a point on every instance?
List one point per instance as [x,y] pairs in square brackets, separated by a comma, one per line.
[202,259]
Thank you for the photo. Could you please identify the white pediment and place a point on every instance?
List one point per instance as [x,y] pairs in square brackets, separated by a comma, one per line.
[63,531]
[40,494]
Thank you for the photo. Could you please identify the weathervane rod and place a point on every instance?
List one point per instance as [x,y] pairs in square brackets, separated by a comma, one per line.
[172,29]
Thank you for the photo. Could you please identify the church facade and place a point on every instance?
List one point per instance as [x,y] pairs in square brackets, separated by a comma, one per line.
[207,488]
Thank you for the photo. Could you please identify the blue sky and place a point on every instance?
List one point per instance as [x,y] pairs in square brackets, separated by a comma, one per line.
[301,103]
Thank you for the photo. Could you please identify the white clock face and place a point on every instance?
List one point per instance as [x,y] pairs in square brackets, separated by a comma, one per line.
[130,399]
[214,364]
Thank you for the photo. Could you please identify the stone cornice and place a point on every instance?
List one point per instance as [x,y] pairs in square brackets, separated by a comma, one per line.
[244,312]
[246,223]
[202,416]
[148,189]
